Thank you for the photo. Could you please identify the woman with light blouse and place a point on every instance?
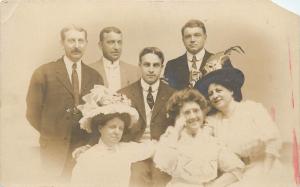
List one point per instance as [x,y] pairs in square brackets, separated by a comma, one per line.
[188,153]
[244,126]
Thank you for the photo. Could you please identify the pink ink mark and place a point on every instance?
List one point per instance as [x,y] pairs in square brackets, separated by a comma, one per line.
[296,158]
[292,100]
[273,113]
[291,74]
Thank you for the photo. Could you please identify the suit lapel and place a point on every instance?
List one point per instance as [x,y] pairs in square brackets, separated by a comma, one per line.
[205,57]
[139,99]
[123,72]
[160,101]
[62,75]
[184,69]
[101,70]
[84,79]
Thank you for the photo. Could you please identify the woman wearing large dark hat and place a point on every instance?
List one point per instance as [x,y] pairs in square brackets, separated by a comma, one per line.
[244,126]
[108,162]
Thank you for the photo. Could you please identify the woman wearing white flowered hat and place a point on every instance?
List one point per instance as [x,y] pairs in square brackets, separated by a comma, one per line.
[108,162]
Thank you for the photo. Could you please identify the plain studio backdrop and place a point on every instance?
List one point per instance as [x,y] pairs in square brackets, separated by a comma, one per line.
[30,37]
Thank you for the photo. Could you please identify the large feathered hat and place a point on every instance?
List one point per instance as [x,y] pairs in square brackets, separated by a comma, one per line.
[216,72]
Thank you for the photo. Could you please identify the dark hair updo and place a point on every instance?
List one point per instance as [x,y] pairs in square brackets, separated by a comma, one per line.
[102,119]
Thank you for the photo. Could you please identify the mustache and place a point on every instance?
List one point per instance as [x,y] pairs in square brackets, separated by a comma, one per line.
[76,50]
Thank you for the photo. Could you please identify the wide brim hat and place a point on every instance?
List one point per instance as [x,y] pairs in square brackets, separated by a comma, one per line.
[218,69]
[229,76]
[103,101]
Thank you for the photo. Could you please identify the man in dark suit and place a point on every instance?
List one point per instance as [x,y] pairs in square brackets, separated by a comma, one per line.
[149,96]
[54,92]
[185,70]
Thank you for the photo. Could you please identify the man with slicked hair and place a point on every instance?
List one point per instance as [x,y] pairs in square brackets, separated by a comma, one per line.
[54,92]
[149,96]
[116,73]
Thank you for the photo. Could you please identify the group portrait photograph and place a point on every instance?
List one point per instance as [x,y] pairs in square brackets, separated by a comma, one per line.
[98,93]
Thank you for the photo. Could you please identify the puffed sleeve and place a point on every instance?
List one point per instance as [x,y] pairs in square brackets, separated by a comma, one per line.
[82,169]
[139,151]
[166,155]
[179,164]
[230,162]
[268,131]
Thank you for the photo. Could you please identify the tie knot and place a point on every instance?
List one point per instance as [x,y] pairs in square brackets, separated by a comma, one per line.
[150,89]
[74,66]
[194,59]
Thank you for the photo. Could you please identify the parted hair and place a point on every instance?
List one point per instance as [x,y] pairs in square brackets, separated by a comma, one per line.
[153,50]
[237,93]
[108,30]
[193,23]
[101,120]
[179,98]
[66,29]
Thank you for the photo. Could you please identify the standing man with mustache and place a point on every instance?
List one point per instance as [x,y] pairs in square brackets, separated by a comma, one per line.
[186,70]
[55,91]
[116,73]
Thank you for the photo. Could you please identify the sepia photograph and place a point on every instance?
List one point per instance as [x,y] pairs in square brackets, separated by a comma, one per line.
[149,93]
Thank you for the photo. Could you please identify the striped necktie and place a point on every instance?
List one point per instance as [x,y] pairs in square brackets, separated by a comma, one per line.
[75,84]
[150,99]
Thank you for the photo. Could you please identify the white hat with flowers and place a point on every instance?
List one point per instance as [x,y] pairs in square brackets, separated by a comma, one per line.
[101,100]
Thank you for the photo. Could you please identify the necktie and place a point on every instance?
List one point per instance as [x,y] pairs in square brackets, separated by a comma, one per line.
[75,83]
[193,77]
[194,60]
[150,99]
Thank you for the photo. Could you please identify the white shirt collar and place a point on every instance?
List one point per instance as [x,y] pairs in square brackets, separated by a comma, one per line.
[69,63]
[107,63]
[199,55]
[146,86]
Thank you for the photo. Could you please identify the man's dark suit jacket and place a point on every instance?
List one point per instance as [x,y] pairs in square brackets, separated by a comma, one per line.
[50,108]
[177,71]
[159,122]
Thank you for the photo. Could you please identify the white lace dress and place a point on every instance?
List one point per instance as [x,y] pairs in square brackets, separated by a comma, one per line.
[194,161]
[102,166]
[250,133]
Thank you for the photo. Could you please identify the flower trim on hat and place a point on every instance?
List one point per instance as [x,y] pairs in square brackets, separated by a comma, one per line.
[101,100]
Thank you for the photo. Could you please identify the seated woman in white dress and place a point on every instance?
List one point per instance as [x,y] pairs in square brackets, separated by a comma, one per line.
[244,126]
[189,154]
[108,163]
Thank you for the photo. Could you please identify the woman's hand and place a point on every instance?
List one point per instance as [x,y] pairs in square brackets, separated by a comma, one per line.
[180,123]
[77,152]
[173,132]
